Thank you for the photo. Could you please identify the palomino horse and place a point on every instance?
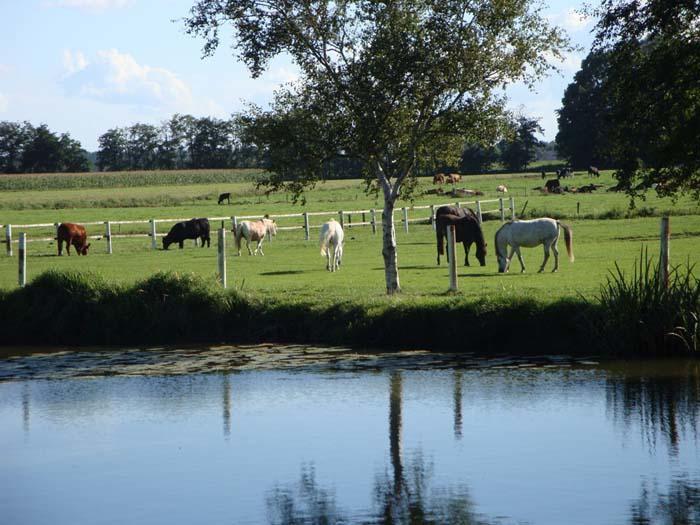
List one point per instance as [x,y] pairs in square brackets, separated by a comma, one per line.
[331,241]
[467,231]
[531,233]
[254,231]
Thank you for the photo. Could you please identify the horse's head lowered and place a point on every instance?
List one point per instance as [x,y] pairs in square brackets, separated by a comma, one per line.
[501,250]
[270,226]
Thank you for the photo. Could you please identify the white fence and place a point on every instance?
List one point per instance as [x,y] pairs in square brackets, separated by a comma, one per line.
[367,218]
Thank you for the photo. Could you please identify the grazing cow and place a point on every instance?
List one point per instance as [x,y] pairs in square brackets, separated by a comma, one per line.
[501,188]
[453,178]
[564,172]
[552,185]
[74,234]
[593,171]
[439,178]
[331,242]
[192,229]
[254,231]
[224,197]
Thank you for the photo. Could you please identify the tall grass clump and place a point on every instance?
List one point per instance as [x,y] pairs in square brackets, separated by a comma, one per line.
[641,316]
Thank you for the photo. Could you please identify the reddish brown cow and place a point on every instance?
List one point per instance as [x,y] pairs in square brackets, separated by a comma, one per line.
[74,234]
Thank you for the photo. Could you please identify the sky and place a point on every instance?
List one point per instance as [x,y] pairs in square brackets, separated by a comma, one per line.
[85,66]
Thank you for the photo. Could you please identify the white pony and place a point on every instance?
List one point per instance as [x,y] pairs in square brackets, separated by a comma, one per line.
[543,231]
[254,231]
[331,239]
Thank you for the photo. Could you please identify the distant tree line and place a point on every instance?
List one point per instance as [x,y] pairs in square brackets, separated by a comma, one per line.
[28,149]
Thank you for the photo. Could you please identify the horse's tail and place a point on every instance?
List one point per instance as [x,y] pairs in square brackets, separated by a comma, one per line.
[569,238]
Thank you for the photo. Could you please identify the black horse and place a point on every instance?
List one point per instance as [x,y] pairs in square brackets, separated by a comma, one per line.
[467,231]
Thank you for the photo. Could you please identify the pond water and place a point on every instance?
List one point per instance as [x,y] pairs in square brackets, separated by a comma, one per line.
[294,435]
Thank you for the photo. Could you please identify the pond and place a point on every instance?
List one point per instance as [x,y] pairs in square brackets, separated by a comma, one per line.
[294,435]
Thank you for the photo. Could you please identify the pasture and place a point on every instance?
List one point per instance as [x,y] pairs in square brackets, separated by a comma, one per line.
[605,232]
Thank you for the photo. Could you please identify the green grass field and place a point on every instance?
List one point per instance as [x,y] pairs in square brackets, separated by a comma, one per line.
[605,232]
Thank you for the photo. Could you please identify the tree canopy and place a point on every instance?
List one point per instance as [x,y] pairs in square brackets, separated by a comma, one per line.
[653,92]
[520,148]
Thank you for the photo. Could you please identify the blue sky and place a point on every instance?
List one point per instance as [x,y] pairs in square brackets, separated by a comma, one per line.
[84,66]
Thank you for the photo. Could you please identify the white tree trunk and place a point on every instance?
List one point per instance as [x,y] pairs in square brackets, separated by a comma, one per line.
[391,267]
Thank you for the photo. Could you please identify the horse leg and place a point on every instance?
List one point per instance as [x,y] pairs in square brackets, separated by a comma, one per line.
[247,245]
[466,252]
[556,255]
[259,248]
[546,258]
[520,258]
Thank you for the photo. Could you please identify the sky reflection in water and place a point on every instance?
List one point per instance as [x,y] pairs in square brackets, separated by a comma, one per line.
[608,444]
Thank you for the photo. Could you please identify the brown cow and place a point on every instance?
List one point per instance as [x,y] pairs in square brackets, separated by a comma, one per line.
[439,178]
[453,178]
[74,234]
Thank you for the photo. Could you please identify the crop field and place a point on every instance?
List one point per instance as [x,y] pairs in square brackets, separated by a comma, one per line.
[606,232]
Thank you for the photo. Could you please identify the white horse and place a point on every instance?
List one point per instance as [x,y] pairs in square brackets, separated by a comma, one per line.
[254,231]
[543,231]
[331,239]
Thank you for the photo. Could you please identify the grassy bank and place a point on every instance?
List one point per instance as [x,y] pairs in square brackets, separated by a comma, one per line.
[67,308]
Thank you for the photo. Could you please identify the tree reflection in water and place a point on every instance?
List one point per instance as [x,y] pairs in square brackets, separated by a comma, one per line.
[681,506]
[404,496]
[664,403]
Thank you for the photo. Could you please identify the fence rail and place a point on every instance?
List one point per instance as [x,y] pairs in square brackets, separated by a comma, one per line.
[344,217]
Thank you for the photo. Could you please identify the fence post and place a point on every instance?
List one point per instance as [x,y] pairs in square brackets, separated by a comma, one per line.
[55,230]
[221,248]
[341,219]
[478,212]
[432,217]
[234,224]
[452,264]
[108,236]
[500,209]
[664,259]
[306,226]
[405,219]
[8,239]
[457,204]
[154,245]
[512,208]
[22,259]
[373,215]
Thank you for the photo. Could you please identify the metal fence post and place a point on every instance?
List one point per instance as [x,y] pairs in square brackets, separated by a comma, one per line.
[8,239]
[22,259]
[512,208]
[234,224]
[221,248]
[108,236]
[451,245]
[306,226]
[152,222]
[373,219]
[500,209]
[432,217]
[405,219]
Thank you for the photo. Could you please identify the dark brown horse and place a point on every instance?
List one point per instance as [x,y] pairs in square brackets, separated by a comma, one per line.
[467,231]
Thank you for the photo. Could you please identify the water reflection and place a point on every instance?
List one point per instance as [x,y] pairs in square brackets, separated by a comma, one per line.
[680,505]
[226,404]
[457,404]
[663,400]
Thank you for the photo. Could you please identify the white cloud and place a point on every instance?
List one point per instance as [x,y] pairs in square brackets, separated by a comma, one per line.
[571,20]
[116,77]
[93,5]
[4,103]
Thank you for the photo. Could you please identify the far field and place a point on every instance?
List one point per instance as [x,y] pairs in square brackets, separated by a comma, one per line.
[605,232]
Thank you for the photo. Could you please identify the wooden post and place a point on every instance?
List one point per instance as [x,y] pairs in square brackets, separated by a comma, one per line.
[364,217]
[664,259]
[349,220]
[512,208]
[222,256]
[22,259]
[55,228]
[432,217]
[405,219]
[578,209]
[500,209]
[373,220]
[340,217]
[478,212]
[452,263]
[8,239]
[154,244]
[306,226]
[234,224]
[108,236]
[457,204]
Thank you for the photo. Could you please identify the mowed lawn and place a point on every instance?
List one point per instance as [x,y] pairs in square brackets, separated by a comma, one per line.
[293,269]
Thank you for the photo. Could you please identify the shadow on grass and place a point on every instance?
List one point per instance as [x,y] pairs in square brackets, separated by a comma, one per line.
[283,272]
